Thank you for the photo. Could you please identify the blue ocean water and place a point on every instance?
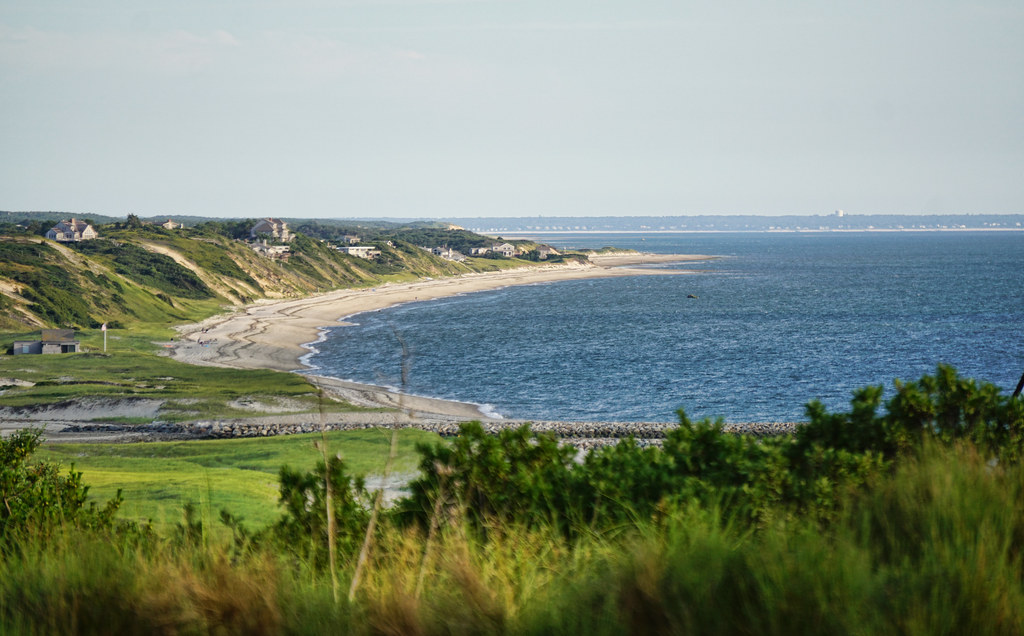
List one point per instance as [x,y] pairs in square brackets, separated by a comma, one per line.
[780,319]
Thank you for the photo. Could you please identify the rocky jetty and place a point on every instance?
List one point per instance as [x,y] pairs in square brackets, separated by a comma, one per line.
[580,434]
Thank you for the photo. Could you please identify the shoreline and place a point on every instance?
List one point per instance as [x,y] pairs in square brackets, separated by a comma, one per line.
[281,334]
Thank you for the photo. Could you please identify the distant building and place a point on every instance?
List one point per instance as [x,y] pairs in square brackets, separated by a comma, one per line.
[52,341]
[281,252]
[70,231]
[448,254]
[479,251]
[170,225]
[362,251]
[351,239]
[274,228]
[544,251]
[505,249]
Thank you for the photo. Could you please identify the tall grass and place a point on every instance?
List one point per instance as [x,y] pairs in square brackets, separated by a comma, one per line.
[935,547]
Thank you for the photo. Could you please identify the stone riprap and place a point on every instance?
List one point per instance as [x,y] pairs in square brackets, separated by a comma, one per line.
[580,434]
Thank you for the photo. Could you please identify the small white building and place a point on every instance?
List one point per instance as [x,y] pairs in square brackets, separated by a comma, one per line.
[446,253]
[70,231]
[368,252]
[170,225]
[281,252]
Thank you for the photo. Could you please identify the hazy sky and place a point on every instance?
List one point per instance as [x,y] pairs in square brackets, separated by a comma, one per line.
[516,108]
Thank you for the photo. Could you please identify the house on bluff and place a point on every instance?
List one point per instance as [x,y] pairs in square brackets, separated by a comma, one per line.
[52,341]
[505,249]
[273,228]
[70,231]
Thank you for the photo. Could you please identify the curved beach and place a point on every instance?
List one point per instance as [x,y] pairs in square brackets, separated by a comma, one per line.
[272,334]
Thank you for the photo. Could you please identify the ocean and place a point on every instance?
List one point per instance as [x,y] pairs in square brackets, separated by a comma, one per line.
[779,319]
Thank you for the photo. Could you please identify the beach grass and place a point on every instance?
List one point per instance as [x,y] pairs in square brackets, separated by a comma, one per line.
[240,475]
[931,549]
[189,392]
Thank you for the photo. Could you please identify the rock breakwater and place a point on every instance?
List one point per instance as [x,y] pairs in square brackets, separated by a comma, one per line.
[580,434]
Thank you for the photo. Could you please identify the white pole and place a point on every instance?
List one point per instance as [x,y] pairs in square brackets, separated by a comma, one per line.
[104,327]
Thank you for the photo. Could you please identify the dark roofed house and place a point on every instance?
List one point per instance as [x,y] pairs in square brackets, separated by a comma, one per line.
[52,341]
[73,230]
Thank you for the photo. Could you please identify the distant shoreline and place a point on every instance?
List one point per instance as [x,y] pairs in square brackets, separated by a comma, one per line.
[279,334]
[528,233]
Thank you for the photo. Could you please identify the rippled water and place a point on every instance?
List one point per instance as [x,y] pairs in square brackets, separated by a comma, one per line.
[780,319]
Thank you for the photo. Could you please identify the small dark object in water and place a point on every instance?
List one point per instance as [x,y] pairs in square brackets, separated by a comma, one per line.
[690,296]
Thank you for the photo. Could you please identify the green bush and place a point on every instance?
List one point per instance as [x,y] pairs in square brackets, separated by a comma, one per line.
[519,477]
[37,498]
[302,528]
[512,477]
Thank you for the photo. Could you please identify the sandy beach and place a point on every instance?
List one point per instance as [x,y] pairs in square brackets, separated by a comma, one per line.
[271,334]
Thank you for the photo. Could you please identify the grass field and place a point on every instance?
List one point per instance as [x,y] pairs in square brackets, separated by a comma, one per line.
[157,478]
[191,392]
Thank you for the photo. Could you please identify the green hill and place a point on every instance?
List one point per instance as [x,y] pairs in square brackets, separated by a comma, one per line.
[141,274]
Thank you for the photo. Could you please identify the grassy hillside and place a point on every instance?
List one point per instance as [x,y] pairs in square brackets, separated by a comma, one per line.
[144,275]
[47,284]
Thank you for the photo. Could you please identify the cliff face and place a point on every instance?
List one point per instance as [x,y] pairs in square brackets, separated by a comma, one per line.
[158,276]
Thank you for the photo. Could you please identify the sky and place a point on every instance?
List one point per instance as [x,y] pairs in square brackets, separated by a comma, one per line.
[477,108]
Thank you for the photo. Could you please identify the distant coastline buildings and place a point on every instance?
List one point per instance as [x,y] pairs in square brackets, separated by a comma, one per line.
[71,231]
[837,220]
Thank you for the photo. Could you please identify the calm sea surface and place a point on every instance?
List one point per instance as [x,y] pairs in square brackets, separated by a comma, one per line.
[780,319]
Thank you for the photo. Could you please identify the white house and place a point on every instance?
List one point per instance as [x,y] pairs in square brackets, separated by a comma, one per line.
[73,230]
[368,252]
[505,249]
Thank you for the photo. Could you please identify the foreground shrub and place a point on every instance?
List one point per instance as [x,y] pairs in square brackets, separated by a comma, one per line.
[523,478]
[37,498]
[302,528]
[908,520]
